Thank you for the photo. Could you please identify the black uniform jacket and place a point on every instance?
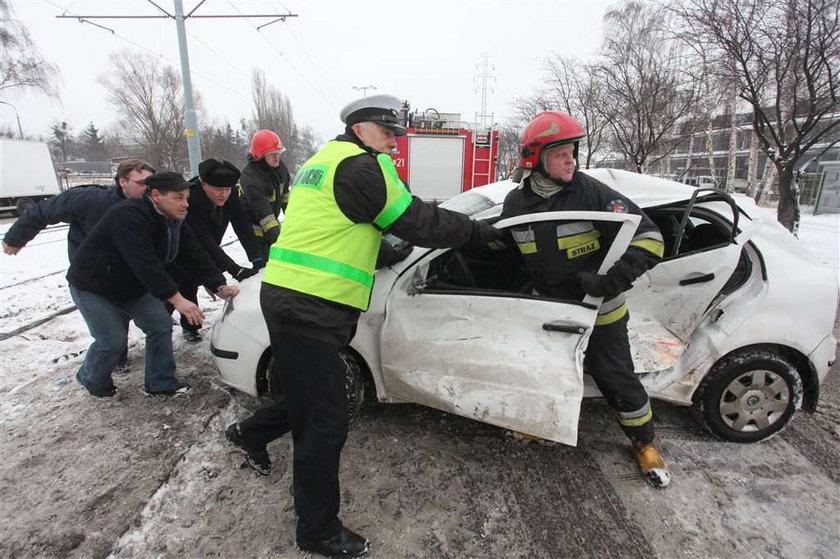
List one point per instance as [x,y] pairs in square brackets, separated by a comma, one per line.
[81,207]
[360,194]
[265,189]
[123,256]
[554,253]
[209,223]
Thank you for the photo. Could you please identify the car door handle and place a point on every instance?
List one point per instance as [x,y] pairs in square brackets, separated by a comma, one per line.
[564,326]
[702,278]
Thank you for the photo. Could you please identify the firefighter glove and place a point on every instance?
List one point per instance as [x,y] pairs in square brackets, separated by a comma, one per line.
[240,273]
[271,235]
[599,285]
[258,263]
[401,251]
[484,233]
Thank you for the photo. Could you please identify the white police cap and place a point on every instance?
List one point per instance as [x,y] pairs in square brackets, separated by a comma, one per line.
[381,109]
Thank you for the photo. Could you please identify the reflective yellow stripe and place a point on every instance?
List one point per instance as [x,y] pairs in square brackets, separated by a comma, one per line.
[527,248]
[637,421]
[577,240]
[650,245]
[258,231]
[611,316]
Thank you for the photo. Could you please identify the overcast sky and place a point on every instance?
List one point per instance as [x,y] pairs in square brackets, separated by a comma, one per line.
[427,52]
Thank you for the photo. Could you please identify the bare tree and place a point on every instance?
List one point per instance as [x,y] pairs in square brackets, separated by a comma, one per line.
[273,111]
[223,142]
[787,55]
[577,89]
[645,83]
[21,65]
[149,98]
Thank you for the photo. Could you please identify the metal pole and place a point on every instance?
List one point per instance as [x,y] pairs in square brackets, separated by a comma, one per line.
[17,116]
[193,143]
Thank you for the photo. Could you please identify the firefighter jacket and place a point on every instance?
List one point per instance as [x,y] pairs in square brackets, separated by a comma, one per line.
[554,252]
[209,223]
[264,192]
[81,207]
[125,255]
[360,193]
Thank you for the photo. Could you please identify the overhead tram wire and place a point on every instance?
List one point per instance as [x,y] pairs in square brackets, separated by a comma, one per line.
[295,37]
[278,51]
[146,49]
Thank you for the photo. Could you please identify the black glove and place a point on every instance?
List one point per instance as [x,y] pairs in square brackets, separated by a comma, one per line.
[258,263]
[484,233]
[599,285]
[401,251]
[239,273]
[270,236]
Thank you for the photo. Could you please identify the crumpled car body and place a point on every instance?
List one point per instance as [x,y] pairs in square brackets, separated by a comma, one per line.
[735,321]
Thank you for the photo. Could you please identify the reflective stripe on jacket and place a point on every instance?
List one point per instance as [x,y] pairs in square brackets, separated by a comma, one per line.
[320,251]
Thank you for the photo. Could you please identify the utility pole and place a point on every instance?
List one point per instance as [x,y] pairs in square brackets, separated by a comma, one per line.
[190,119]
[364,88]
[483,117]
[17,116]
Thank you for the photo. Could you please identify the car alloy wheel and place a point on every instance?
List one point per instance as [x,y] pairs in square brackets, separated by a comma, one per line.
[749,396]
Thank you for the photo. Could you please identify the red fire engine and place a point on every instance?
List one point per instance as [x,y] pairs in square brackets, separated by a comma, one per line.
[441,156]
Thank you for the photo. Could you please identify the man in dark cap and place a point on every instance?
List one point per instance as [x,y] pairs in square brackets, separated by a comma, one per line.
[317,282]
[120,270]
[214,203]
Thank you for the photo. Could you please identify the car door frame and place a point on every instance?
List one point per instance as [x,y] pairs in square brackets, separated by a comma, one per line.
[535,389]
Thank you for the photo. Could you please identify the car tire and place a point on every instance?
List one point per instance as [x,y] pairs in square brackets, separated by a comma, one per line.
[749,396]
[354,382]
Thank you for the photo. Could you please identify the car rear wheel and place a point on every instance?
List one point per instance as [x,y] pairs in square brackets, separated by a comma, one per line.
[269,385]
[749,396]
[22,205]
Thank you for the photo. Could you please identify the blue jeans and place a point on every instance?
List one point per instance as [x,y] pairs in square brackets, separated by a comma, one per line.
[106,321]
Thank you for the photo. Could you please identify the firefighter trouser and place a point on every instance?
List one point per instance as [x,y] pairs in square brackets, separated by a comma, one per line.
[609,362]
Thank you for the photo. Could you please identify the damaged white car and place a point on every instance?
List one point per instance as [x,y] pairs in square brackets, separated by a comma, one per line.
[735,321]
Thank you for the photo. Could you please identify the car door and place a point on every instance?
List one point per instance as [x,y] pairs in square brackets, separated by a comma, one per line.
[680,290]
[505,358]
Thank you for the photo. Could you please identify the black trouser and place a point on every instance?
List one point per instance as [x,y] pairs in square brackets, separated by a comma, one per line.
[609,362]
[312,378]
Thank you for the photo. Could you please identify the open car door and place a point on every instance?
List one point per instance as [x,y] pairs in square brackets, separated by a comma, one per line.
[509,359]
[702,256]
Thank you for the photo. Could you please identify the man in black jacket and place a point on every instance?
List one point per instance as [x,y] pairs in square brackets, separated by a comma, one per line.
[265,186]
[120,270]
[213,205]
[315,286]
[81,207]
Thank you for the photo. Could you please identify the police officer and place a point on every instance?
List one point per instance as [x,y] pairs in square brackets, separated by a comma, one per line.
[214,203]
[265,186]
[562,260]
[317,282]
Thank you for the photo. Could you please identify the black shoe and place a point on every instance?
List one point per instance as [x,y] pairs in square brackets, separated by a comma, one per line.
[180,388]
[192,336]
[106,392]
[346,543]
[255,458]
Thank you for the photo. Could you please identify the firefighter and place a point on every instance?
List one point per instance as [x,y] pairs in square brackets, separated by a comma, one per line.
[317,282]
[264,188]
[562,259]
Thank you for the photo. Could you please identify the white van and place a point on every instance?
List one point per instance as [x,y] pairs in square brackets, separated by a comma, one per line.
[27,174]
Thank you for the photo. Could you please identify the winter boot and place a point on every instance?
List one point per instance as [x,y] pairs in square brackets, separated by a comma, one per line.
[653,467]
[255,458]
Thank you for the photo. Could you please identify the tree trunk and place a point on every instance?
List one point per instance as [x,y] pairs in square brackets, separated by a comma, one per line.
[767,181]
[788,210]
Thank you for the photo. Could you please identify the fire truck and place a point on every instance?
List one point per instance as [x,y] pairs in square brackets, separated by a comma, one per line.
[441,155]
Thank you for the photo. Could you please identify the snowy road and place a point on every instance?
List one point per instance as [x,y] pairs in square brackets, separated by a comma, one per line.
[134,477]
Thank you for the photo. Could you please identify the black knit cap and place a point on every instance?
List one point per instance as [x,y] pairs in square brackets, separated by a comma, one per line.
[166,181]
[221,174]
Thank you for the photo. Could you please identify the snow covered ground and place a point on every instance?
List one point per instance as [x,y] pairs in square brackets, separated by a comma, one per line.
[134,477]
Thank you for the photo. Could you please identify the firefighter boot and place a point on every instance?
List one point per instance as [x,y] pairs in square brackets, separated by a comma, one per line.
[653,467]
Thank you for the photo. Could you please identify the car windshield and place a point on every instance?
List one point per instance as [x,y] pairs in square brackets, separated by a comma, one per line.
[468,203]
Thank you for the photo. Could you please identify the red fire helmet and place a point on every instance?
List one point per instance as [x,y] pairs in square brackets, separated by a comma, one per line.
[265,141]
[547,129]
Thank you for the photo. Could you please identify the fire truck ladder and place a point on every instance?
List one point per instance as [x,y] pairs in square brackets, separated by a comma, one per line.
[489,173]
